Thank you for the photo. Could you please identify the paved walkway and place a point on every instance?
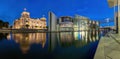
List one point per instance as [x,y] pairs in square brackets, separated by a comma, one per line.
[108,47]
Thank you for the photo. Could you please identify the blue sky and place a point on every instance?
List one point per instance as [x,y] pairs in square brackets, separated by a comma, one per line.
[94,9]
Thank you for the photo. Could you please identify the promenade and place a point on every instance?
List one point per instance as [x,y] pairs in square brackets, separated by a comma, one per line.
[108,47]
[21,30]
[38,30]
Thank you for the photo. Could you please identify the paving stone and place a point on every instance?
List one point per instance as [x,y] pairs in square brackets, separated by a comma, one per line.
[108,47]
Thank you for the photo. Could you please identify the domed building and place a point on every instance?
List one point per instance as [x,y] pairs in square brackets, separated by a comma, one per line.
[25,22]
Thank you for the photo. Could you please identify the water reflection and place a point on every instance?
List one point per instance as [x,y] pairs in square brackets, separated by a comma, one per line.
[61,39]
[68,39]
[27,39]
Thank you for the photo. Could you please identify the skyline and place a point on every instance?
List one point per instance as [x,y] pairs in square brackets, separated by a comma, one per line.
[94,9]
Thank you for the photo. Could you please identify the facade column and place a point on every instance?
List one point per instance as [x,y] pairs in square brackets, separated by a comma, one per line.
[118,15]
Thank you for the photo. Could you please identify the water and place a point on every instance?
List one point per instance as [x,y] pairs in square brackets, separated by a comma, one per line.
[62,45]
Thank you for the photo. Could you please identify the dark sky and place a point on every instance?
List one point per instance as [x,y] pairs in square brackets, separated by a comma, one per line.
[94,9]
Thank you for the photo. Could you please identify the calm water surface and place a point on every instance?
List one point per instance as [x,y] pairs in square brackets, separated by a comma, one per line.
[62,45]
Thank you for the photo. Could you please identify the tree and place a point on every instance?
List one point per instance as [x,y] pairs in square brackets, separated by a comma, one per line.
[1,24]
[4,24]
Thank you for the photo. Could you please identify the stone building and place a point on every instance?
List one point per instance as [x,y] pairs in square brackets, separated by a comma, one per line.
[25,22]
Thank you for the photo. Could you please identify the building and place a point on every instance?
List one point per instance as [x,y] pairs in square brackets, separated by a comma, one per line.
[25,22]
[59,24]
[80,23]
[52,22]
[65,23]
[84,23]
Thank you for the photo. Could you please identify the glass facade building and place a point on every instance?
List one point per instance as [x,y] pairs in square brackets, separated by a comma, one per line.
[65,23]
[80,23]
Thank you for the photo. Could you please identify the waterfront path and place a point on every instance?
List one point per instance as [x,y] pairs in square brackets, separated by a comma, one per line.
[108,47]
[36,30]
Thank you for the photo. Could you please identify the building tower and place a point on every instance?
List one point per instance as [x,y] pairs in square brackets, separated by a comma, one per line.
[25,18]
[43,19]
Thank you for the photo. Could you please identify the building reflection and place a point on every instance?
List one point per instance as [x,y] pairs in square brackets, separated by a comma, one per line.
[52,41]
[66,39]
[27,39]
[61,39]
[78,39]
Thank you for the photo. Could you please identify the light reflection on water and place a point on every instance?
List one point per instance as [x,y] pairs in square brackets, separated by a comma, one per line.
[52,42]
[27,39]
